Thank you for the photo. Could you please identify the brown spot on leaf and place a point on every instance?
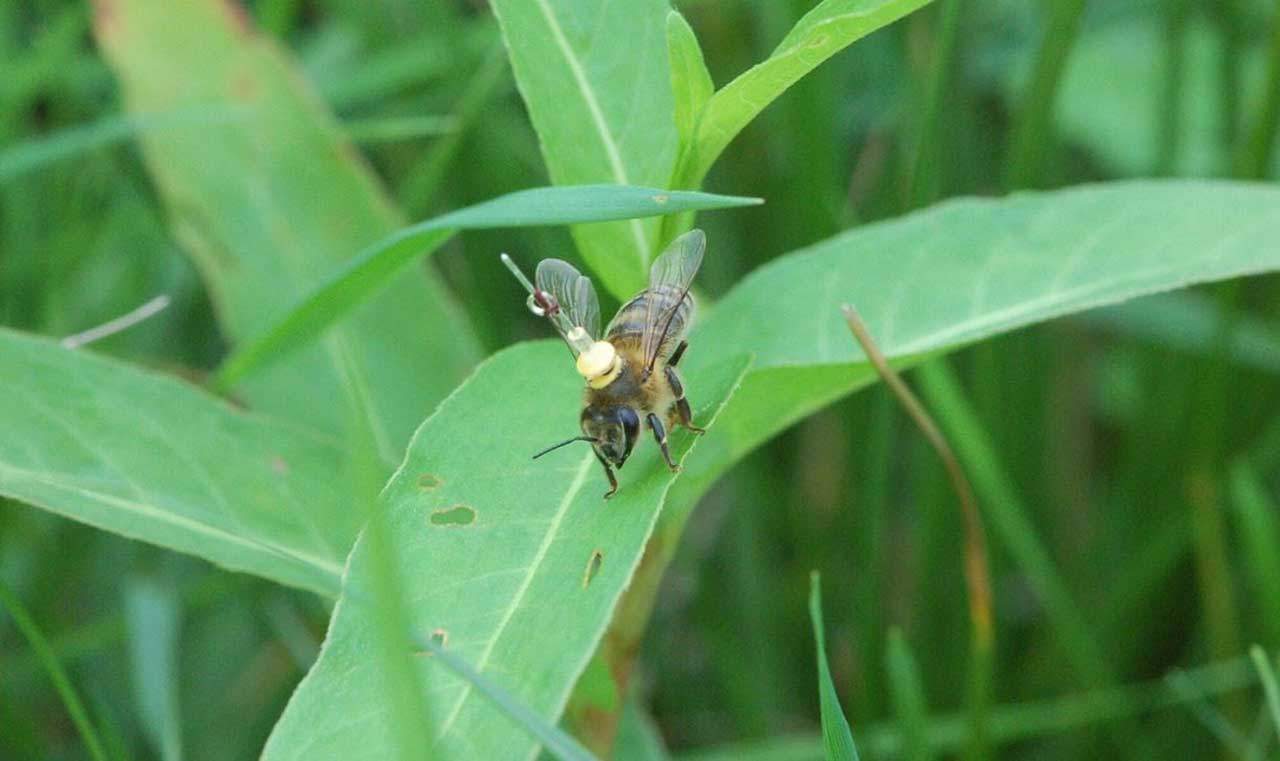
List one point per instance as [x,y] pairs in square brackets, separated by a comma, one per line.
[458,515]
[429,481]
[593,567]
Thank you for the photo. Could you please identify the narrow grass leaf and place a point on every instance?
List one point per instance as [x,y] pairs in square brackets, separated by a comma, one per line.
[837,736]
[371,270]
[151,458]
[1013,722]
[61,682]
[1267,675]
[1257,528]
[908,698]
[153,617]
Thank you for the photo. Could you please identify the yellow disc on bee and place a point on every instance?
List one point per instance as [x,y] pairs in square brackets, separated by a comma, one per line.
[597,360]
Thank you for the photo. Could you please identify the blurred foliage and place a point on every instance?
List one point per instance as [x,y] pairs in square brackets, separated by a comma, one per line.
[1149,463]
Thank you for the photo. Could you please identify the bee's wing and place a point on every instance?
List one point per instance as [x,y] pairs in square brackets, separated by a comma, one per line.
[573,292]
[669,279]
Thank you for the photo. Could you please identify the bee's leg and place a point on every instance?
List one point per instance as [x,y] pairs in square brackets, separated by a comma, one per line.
[683,410]
[608,471]
[677,354]
[660,434]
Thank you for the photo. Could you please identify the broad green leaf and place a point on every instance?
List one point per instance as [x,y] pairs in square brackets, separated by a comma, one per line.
[947,276]
[824,31]
[961,271]
[270,204]
[595,78]
[373,268]
[837,736]
[691,84]
[148,457]
[515,565]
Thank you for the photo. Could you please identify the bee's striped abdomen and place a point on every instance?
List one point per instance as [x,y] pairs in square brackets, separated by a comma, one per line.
[629,324]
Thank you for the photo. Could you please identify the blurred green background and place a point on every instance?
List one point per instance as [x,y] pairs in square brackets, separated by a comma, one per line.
[1142,441]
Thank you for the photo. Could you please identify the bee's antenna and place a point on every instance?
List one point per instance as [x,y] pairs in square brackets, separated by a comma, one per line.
[554,447]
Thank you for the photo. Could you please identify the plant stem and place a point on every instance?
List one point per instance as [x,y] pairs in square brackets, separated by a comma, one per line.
[925,183]
[1259,148]
[1031,134]
[61,682]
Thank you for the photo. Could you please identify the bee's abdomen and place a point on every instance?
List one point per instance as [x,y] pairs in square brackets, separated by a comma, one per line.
[629,323]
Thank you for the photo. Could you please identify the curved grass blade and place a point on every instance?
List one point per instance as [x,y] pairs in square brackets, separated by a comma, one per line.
[153,617]
[377,265]
[837,736]
[61,682]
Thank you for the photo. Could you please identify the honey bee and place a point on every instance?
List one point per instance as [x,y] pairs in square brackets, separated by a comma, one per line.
[630,373]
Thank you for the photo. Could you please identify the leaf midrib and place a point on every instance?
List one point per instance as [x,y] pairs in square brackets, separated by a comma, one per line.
[553,529]
[616,166]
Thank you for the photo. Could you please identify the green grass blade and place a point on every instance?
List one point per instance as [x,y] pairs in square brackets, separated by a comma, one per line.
[1257,528]
[376,266]
[908,698]
[824,31]
[1009,518]
[553,739]
[837,736]
[1267,675]
[1014,722]
[153,619]
[1031,134]
[61,682]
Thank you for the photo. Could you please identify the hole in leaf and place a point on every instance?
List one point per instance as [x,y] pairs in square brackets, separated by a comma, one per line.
[439,638]
[429,481]
[458,515]
[593,567]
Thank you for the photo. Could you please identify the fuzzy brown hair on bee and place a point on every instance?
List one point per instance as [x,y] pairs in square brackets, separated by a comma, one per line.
[631,377]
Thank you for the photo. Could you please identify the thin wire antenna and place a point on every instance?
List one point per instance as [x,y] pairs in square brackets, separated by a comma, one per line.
[119,324]
[554,447]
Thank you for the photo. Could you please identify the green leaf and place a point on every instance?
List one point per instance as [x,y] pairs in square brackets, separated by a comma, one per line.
[519,581]
[269,204]
[837,736]
[908,698]
[148,457]
[959,272]
[10,603]
[691,83]
[595,78]
[638,736]
[1267,675]
[373,268]
[153,617]
[824,31]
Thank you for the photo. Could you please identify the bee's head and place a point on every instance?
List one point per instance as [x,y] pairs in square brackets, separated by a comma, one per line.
[613,431]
